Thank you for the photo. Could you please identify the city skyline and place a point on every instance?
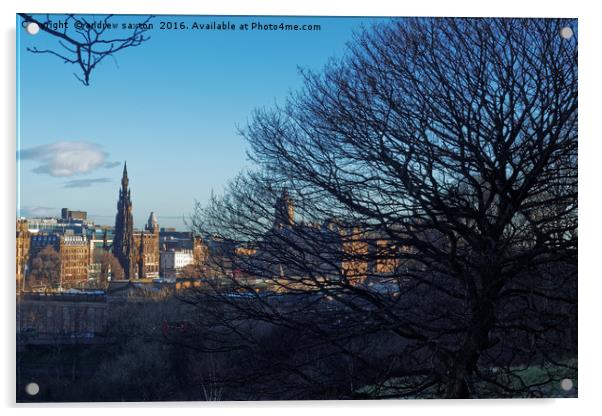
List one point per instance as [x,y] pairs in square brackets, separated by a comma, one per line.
[102,220]
[179,136]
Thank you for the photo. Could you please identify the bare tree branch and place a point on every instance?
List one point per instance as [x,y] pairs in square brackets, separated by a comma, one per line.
[83,44]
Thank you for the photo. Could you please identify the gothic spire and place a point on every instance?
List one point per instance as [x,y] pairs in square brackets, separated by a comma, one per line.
[123,237]
[124,180]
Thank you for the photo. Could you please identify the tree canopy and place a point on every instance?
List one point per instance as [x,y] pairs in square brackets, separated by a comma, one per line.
[433,173]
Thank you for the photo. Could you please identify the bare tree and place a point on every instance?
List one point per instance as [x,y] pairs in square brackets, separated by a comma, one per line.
[109,265]
[85,43]
[46,268]
[433,175]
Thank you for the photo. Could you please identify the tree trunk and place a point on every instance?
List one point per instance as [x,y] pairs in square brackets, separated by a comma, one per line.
[466,359]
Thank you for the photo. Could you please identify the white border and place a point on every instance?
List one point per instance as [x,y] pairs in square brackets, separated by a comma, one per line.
[590,29]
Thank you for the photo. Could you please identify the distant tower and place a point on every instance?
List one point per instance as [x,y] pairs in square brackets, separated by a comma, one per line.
[152,225]
[148,256]
[123,239]
[284,211]
[141,259]
[199,250]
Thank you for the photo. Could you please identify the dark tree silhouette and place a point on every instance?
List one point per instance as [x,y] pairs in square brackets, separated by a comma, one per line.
[83,43]
[433,174]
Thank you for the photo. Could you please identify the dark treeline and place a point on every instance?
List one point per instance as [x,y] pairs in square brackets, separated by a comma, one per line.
[169,350]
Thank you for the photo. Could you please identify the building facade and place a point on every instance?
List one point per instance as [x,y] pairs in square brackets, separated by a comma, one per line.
[173,261]
[74,252]
[23,246]
[332,251]
[146,250]
[68,215]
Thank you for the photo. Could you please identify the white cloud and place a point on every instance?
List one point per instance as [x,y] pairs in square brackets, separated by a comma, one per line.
[37,211]
[110,165]
[63,159]
[85,183]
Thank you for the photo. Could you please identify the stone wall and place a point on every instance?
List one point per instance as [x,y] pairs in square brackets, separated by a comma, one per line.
[60,317]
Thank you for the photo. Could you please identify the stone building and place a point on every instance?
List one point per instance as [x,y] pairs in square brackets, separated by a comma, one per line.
[69,215]
[61,318]
[295,251]
[173,261]
[22,252]
[170,239]
[354,256]
[200,251]
[74,254]
[74,251]
[146,250]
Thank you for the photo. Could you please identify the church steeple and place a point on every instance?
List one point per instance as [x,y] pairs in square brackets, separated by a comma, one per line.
[123,240]
[124,179]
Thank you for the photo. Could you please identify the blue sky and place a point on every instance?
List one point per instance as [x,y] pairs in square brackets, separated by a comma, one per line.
[170,107]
